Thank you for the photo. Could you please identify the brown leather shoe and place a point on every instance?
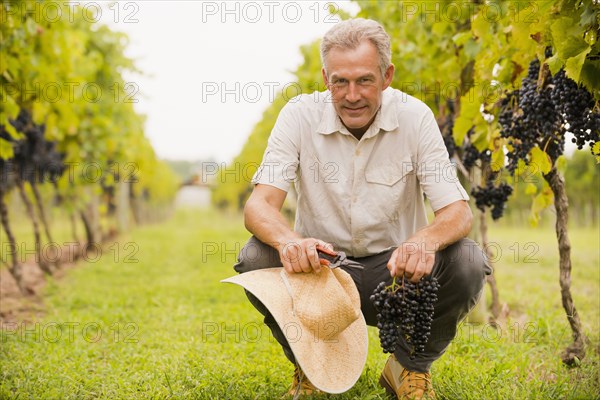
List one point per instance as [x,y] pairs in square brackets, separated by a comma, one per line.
[403,384]
[301,386]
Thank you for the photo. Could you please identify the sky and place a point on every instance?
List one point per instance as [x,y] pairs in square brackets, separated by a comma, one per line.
[212,67]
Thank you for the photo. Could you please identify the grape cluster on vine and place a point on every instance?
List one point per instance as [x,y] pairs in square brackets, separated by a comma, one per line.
[450,145]
[405,311]
[541,116]
[492,196]
[36,159]
[471,155]
[447,129]
[576,107]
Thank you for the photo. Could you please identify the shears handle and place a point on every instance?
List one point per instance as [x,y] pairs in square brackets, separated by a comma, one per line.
[327,256]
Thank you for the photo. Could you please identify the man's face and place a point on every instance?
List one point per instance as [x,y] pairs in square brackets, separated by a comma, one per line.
[354,79]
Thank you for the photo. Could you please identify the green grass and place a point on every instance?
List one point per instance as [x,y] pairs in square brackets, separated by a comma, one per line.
[164,327]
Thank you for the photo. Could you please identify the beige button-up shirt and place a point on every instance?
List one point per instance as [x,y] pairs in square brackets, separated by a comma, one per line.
[363,196]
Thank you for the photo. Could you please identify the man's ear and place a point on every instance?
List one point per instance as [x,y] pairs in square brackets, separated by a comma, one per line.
[324,73]
[389,75]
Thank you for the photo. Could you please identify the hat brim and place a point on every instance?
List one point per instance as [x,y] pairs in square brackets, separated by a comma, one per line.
[332,364]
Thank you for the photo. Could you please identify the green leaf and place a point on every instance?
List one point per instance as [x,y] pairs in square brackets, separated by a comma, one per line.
[497,161]
[10,107]
[480,139]
[465,121]
[461,38]
[543,200]
[540,160]
[596,148]
[6,150]
[31,26]
[555,63]
[3,62]
[13,65]
[588,16]
[574,64]
[568,38]
[461,127]
[530,189]
[480,26]
[561,164]
[439,28]
[590,75]
[520,33]
[39,112]
[472,48]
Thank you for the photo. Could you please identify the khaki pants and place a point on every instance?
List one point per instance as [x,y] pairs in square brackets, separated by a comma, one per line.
[460,270]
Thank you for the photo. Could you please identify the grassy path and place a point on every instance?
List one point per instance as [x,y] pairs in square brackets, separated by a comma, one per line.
[151,320]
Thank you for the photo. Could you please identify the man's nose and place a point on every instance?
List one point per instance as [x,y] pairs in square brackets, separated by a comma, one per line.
[353,93]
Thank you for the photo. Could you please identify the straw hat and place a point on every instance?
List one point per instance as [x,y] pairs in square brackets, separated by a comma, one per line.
[320,317]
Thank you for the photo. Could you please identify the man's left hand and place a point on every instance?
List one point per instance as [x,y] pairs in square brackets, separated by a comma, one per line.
[412,259]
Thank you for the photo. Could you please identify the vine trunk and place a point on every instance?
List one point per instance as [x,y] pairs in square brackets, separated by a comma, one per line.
[15,267]
[575,352]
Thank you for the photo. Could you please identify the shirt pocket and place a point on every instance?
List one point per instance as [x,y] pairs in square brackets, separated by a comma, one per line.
[323,187]
[391,186]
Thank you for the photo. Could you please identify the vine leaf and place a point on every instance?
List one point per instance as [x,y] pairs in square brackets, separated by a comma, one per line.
[596,150]
[588,16]
[555,64]
[541,201]
[541,160]
[6,150]
[574,65]
[568,37]
[464,122]
[530,189]
[497,159]
[590,75]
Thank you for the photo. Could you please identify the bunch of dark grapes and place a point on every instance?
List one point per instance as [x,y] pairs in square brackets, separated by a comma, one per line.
[533,119]
[35,158]
[575,105]
[450,145]
[492,196]
[407,310]
[512,127]
[387,302]
[447,133]
[471,155]
[540,116]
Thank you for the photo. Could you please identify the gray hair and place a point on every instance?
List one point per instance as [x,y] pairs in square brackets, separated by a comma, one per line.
[350,33]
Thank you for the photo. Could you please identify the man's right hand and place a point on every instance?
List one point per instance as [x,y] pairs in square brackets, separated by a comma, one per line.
[262,215]
[300,255]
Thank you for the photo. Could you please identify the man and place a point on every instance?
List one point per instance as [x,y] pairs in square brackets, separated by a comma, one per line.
[361,156]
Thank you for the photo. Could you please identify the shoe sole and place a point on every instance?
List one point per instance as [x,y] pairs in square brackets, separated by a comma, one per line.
[388,388]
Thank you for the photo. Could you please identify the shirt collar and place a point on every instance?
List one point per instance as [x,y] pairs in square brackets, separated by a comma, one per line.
[385,119]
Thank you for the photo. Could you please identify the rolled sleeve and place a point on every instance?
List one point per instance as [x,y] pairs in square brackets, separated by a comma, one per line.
[280,162]
[437,175]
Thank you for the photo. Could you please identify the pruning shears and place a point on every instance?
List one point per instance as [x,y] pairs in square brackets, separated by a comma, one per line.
[330,258]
